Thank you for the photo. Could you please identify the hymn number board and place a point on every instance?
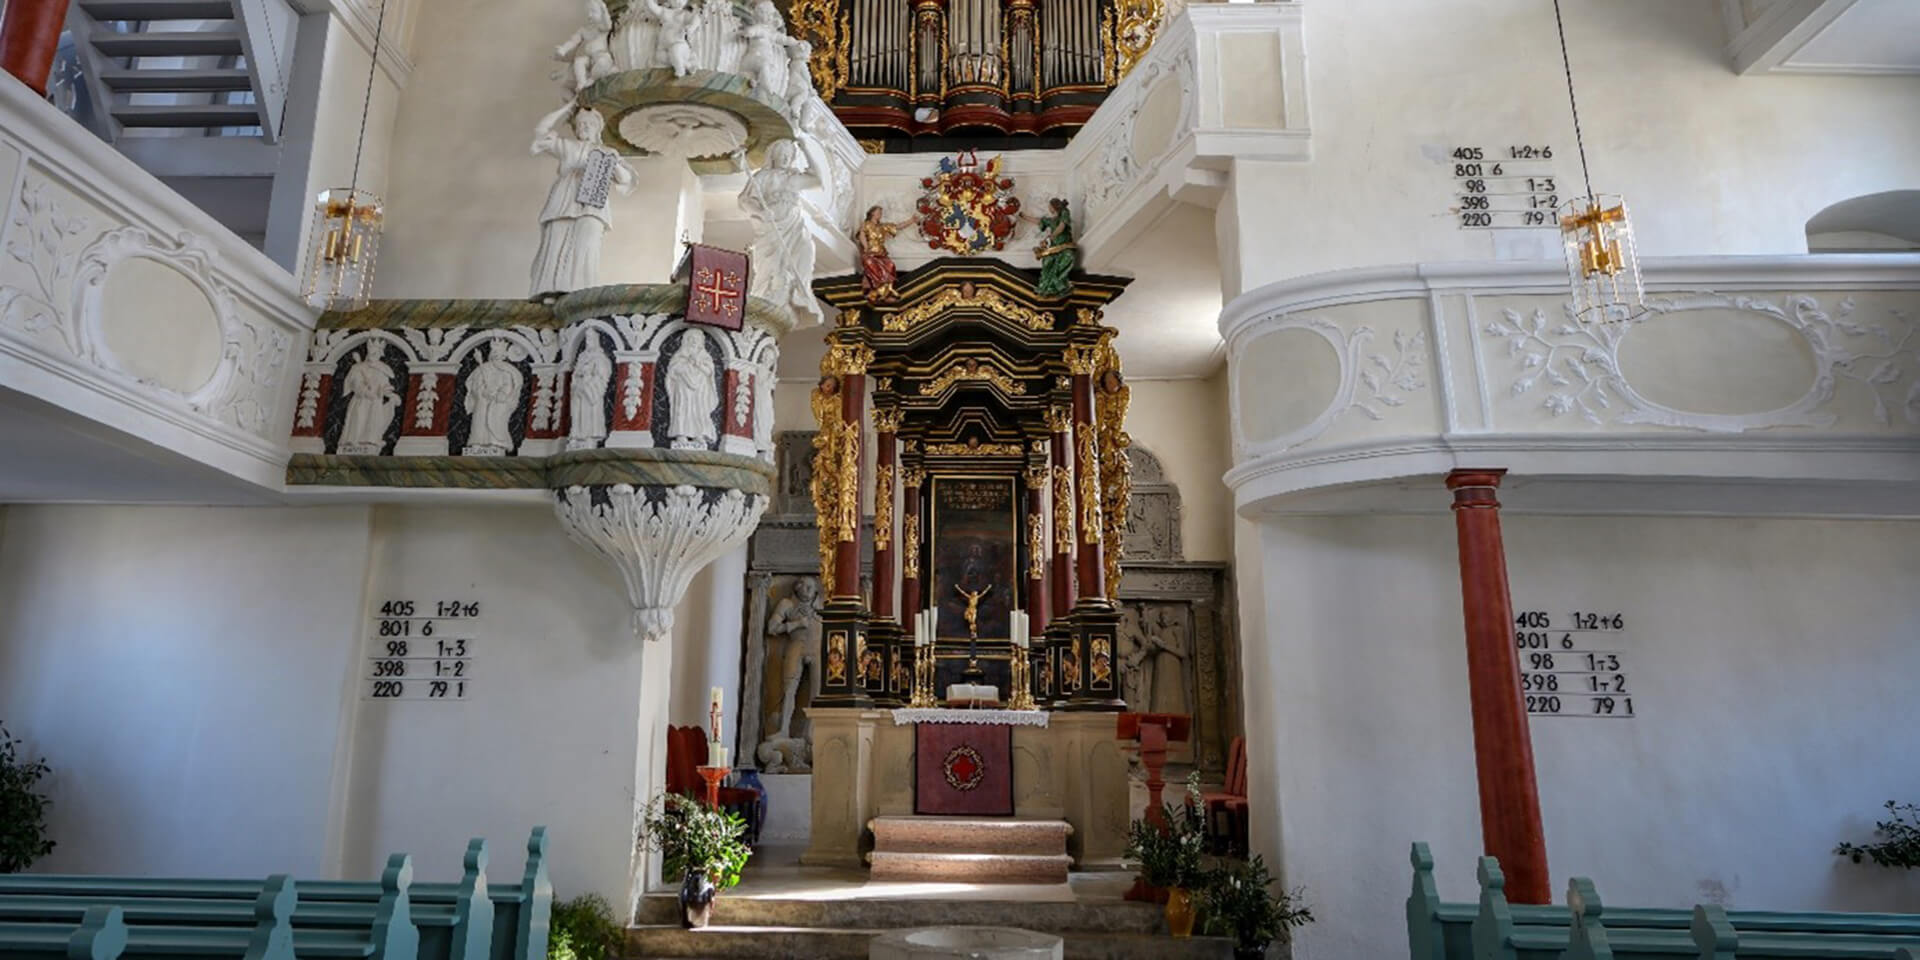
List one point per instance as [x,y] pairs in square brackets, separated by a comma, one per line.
[1572,665]
[1505,188]
[421,650]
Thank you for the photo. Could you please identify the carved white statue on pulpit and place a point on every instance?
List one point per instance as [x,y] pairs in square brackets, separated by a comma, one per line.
[587,399]
[765,64]
[578,212]
[674,41]
[493,394]
[798,619]
[783,249]
[370,411]
[692,393]
[799,77]
[588,52]
[763,411]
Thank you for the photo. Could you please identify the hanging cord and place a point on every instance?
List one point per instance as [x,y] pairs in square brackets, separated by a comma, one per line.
[1560,26]
[366,106]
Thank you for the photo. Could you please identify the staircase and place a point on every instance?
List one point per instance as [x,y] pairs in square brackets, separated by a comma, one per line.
[205,67]
[841,929]
[966,850]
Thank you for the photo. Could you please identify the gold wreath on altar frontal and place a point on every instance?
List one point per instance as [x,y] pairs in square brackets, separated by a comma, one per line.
[883,507]
[826,484]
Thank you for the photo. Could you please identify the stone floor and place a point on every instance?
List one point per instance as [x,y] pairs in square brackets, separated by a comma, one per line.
[782,909]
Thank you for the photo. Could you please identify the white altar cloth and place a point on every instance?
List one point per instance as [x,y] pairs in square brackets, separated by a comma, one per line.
[1017,718]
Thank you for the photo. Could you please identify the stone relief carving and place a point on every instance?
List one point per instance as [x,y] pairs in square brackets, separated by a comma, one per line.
[1114,169]
[796,624]
[1153,512]
[1156,642]
[1577,365]
[587,400]
[493,396]
[371,403]
[1368,381]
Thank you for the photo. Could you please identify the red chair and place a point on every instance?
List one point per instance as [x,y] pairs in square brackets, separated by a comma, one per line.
[686,754]
[1227,808]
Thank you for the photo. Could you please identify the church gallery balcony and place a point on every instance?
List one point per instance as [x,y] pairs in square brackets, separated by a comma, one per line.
[1753,385]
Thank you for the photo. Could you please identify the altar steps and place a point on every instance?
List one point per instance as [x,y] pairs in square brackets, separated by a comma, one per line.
[757,929]
[969,850]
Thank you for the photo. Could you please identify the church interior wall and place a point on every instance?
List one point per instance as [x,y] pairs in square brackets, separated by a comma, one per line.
[1771,662]
[464,194]
[195,677]
[1183,422]
[336,126]
[1710,162]
[182,670]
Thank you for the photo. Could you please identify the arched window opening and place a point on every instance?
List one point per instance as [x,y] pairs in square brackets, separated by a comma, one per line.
[1876,223]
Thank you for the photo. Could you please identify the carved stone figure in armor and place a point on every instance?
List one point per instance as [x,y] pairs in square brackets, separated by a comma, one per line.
[783,249]
[578,213]
[1166,647]
[370,411]
[674,42]
[1134,680]
[587,51]
[798,619]
[692,393]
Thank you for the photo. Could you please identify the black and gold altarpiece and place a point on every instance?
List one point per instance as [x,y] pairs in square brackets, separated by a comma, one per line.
[999,482]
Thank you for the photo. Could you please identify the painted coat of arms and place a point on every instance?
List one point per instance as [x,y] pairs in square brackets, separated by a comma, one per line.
[968,208]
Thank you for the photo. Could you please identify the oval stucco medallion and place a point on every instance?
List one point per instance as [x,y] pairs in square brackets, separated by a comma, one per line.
[158,325]
[1717,361]
[1287,379]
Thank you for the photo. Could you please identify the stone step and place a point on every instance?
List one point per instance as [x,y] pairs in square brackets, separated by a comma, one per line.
[1047,916]
[1024,868]
[963,834]
[812,943]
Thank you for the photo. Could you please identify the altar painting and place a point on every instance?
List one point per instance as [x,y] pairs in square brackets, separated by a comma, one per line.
[975,549]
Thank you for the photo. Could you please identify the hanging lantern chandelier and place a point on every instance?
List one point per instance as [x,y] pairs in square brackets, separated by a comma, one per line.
[1602,264]
[345,240]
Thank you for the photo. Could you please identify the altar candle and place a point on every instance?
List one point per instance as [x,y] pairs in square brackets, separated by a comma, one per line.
[716,754]
[714,711]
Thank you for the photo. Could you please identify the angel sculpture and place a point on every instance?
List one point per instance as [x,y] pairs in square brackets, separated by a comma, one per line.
[678,21]
[783,251]
[763,63]
[588,50]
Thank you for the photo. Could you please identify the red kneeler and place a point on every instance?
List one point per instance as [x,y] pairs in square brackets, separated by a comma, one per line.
[1227,808]
[686,754]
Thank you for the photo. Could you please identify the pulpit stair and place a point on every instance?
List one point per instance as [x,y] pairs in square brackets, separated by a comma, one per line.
[1584,929]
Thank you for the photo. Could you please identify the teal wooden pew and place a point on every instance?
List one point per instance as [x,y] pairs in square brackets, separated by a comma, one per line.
[520,912]
[1493,929]
[100,935]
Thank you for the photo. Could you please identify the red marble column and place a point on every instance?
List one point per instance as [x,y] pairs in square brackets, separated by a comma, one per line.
[853,415]
[29,38]
[912,479]
[1092,565]
[1503,750]
[885,531]
[1061,572]
[1037,547]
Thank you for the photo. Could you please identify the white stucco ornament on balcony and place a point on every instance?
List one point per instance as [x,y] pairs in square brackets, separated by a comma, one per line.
[658,538]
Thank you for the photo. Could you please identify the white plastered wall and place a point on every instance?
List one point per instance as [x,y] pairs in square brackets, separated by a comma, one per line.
[1709,162]
[1771,662]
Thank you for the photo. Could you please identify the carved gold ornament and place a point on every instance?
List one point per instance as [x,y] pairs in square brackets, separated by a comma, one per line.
[1036,546]
[972,370]
[973,448]
[1111,398]
[910,545]
[913,477]
[826,469]
[1133,35]
[949,298]
[1089,467]
[886,419]
[1058,420]
[872,146]
[814,22]
[1062,511]
[846,359]
[883,507]
[849,512]
[1081,360]
[1037,477]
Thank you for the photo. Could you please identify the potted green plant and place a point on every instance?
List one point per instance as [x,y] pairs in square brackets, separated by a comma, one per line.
[1899,835]
[1171,856]
[700,844]
[583,928]
[1240,905]
[23,809]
